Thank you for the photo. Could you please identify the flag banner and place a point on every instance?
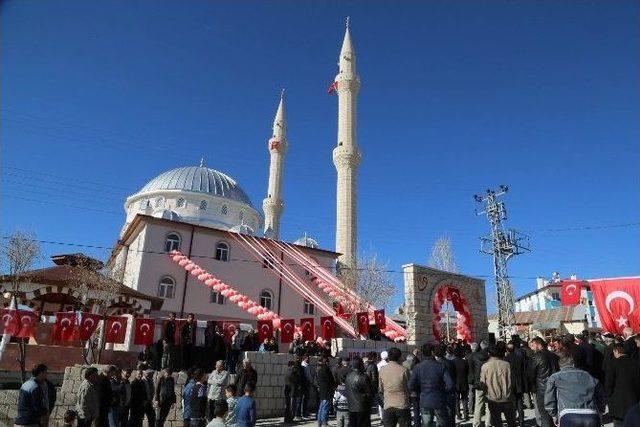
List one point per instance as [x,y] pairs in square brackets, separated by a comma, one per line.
[228,329]
[144,331]
[27,322]
[88,324]
[570,294]
[308,329]
[65,327]
[380,318]
[332,88]
[115,329]
[9,323]
[363,323]
[287,329]
[265,330]
[328,327]
[617,303]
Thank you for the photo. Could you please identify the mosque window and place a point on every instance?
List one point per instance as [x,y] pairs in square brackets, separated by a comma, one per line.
[180,203]
[172,242]
[309,307]
[224,210]
[167,287]
[222,251]
[203,205]
[216,298]
[266,299]
[144,204]
[159,202]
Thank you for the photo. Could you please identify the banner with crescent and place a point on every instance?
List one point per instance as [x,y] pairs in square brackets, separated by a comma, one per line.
[308,329]
[363,323]
[570,293]
[265,330]
[287,329]
[88,324]
[27,322]
[229,328]
[328,327]
[617,303]
[9,321]
[380,318]
[144,331]
[115,329]
[65,327]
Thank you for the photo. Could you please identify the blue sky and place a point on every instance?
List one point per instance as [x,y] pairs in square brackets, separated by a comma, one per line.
[99,97]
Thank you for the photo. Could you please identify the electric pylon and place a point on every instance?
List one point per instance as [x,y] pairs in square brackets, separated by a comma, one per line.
[502,245]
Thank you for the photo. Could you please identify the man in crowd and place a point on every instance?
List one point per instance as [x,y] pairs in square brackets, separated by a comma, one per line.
[517,360]
[495,379]
[197,400]
[431,380]
[479,358]
[326,385]
[394,387]
[150,389]
[574,390]
[106,395]
[165,395]
[126,397]
[246,408]
[622,384]
[139,398]
[359,393]
[247,375]
[307,386]
[218,380]
[293,382]
[630,347]
[461,384]
[543,363]
[341,371]
[33,399]
[88,398]
[188,340]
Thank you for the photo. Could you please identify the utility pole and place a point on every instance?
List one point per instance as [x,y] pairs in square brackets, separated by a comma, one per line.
[502,245]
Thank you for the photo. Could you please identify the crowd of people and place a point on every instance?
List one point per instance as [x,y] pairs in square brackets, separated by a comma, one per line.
[569,381]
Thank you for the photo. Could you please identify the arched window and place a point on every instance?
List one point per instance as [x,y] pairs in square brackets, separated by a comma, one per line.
[203,205]
[266,299]
[309,307]
[167,287]
[180,203]
[222,251]
[172,242]
[224,210]
[216,298]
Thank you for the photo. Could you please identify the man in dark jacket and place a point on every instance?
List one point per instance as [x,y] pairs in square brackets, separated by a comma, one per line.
[106,395]
[165,396]
[543,364]
[519,383]
[432,381]
[622,385]
[359,395]
[292,390]
[188,341]
[371,370]
[33,405]
[461,384]
[479,358]
[247,375]
[326,386]
[138,400]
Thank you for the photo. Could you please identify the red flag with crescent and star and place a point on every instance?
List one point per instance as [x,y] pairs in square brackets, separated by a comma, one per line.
[228,329]
[570,293]
[617,303]
[380,318]
[265,330]
[8,321]
[88,325]
[328,326]
[65,327]
[115,329]
[144,332]
[363,323]
[287,329]
[27,322]
[308,329]
[332,88]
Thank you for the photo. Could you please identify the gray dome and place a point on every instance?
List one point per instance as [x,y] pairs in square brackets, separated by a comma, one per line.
[198,179]
[307,241]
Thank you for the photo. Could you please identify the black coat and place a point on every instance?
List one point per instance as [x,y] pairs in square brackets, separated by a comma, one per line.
[188,333]
[462,375]
[340,373]
[293,380]
[169,332]
[478,358]
[543,364]
[138,395]
[371,371]
[245,377]
[325,382]
[358,391]
[623,386]
[518,361]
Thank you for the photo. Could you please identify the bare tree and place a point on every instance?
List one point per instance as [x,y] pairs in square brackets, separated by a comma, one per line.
[442,256]
[20,251]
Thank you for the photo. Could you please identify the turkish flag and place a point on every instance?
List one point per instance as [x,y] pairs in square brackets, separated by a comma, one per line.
[328,327]
[308,329]
[617,303]
[570,294]
[379,317]
[287,329]
[265,330]
[332,88]
[27,321]
[115,329]
[228,329]
[88,325]
[340,311]
[363,323]
[8,321]
[144,331]
[65,326]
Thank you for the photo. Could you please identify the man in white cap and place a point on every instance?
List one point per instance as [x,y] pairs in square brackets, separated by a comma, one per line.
[381,364]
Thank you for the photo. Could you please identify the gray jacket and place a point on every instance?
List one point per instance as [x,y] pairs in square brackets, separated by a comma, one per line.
[217,383]
[572,388]
[88,403]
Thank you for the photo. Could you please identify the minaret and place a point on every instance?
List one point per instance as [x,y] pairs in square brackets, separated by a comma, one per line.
[346,156]
[273,205]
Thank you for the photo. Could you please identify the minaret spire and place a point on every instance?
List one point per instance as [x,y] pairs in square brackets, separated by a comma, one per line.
[273,205]
[346,156]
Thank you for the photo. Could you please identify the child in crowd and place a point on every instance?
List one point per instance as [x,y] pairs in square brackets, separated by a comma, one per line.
[341,406]
[230,419]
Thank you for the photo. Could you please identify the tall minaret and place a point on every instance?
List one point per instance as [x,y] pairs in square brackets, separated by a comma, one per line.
[273,205]
[346,156]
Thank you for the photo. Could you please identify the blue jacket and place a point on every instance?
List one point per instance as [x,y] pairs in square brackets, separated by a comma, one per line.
[432,381]
[246,412]
[186,398]
[31,405]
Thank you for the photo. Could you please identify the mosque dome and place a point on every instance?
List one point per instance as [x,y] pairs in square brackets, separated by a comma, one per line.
[242,229]
[307,241]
